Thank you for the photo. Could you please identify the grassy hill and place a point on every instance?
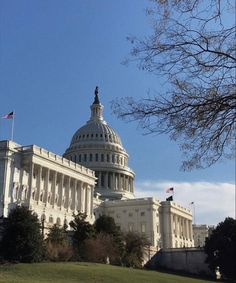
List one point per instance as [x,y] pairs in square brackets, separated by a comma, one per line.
[84,273]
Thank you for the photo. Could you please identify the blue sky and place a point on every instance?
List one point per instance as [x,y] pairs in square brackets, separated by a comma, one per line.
[54,53]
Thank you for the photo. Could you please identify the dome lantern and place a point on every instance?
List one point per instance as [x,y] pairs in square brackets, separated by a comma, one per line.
[96,109]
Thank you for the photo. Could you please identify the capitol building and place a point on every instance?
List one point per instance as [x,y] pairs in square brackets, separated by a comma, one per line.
[92,177]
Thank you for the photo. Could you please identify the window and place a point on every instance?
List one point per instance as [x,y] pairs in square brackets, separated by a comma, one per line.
[80,158]
[85,157]
[102,157]
[90,157]
[142,213]
[143,227]
[96,157]
[113,158]
[131,227]
[130,214]
[108,158]
[75,158]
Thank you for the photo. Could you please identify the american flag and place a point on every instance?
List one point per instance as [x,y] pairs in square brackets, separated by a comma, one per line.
[169,190]
[8,116]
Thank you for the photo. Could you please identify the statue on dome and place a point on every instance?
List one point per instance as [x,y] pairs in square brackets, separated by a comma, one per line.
[96,99]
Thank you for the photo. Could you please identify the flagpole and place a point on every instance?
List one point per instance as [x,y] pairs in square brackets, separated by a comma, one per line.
[12,125]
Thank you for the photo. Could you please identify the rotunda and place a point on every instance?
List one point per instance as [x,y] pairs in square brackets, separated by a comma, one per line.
[97,146]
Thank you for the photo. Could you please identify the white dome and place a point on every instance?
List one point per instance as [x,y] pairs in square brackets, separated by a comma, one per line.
[95,131]
[97,146]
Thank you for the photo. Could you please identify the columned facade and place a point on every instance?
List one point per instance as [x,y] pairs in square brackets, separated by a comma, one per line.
[50,185]
[176,226]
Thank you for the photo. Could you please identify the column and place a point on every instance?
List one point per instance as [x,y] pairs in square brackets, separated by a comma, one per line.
[99,179]
[30,181]
[187,229]
[61,191]
[79,206]
[82,200]
[74,196]
[46,184]
[119,182]
[91,200]
[54,184]
[68,193]
[129,184]
[113,182]
[106,180]
[88,195]
[132,185]
[38,183]
[190,230]
[176,225]
[126,183]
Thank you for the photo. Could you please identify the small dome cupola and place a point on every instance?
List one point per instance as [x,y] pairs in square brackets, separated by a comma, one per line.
[96,109]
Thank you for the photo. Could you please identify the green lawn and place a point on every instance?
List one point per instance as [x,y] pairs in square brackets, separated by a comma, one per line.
[84,273]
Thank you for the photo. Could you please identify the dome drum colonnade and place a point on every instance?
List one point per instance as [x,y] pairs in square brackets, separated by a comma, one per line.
[97,146]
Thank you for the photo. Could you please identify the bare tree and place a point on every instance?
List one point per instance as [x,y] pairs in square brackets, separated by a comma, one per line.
[192,48]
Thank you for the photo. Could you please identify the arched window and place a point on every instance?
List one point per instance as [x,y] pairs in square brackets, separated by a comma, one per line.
[90,157]
[102,179]
[41,197]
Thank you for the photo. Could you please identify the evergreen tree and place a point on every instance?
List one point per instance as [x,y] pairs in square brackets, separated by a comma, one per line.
[221,248]
[134,249]
[106,225]
[58,248]
[22,238]
[83,230]
[56,235]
